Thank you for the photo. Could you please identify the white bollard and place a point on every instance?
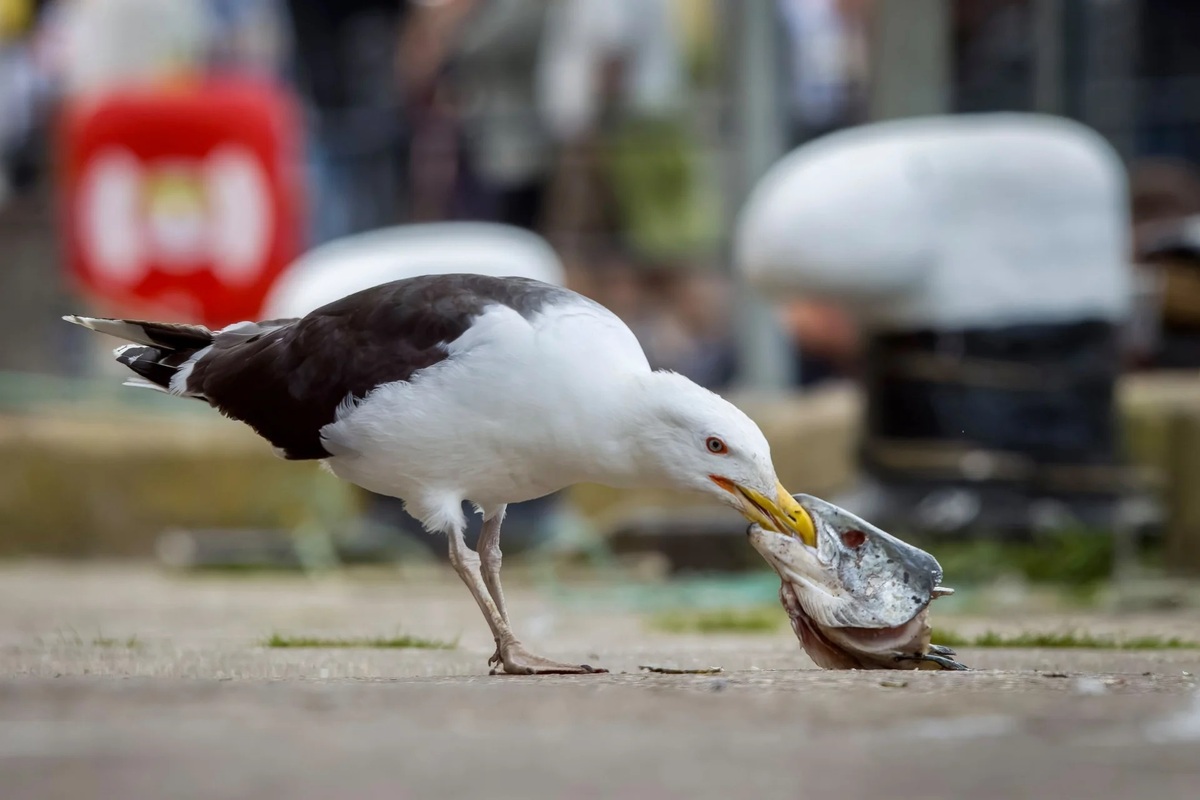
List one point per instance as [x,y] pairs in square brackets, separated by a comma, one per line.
[352,263]
[986,259]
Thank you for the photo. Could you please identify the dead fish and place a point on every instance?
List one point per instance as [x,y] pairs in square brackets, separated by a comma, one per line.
[860,598]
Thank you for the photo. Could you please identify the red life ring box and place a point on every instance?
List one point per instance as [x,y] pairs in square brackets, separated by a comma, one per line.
[182,201]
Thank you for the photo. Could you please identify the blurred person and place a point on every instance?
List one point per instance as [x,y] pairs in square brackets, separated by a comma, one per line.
[48,47]
[613,89]
[30,291]
[993,50]
[1162,192]
[1165,212]
[20,86]
[249,37]
[488,56]
[825,82]
[826,65]
[701,304]
[107,43]
[349,68]
[827,341]
[478,151]
[601,55]
[434,161]
[87,47]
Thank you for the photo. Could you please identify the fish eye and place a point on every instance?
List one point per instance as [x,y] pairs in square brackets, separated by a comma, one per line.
[716,446]
[854,539]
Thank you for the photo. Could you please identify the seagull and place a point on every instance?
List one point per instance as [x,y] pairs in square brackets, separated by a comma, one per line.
[445,389]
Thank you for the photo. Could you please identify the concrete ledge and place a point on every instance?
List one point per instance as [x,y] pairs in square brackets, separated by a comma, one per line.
[78,485]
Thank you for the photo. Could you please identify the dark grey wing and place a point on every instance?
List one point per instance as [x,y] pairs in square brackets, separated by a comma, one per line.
[287,381]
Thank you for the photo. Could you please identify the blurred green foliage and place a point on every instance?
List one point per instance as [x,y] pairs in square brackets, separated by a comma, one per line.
[765,619]
[1070,558]
[1062,641]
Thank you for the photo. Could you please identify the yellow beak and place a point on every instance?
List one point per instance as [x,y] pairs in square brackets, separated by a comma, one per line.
[781,514]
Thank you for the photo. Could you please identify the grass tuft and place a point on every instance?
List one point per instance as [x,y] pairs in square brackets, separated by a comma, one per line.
[131,643]
[372,642]
[1063,641]
[728,620]
[950,638]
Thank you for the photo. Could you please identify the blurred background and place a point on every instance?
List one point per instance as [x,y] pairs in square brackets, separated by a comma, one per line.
[946,252]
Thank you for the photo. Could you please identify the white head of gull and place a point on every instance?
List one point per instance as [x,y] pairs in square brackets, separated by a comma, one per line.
[450,388]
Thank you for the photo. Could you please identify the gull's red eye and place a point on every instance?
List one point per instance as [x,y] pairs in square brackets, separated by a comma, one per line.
[715,445]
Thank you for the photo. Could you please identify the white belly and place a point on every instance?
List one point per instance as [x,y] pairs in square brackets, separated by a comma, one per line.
[507,417]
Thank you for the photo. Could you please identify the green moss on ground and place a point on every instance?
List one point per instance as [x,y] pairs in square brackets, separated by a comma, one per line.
[374,642]
[131,643]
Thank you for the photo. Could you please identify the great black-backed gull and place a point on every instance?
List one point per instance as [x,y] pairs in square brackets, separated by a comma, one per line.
[451,388]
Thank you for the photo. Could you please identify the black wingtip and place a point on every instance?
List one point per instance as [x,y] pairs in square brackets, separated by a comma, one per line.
[145,361]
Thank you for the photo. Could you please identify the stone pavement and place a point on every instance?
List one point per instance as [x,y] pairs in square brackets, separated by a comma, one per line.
[122,682]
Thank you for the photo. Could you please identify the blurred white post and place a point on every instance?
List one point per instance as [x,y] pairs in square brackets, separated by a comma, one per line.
[765,362]
[910,58]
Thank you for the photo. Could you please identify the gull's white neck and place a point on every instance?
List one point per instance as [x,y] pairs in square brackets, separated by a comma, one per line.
[616,433]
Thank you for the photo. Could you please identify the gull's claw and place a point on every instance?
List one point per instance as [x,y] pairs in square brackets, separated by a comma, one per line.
[516,660]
